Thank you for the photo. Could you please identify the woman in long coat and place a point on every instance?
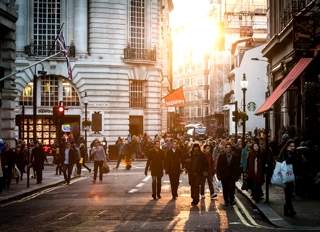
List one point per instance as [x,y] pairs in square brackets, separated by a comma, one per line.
[255,171]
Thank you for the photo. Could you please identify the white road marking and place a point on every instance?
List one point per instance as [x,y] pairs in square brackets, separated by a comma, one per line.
[146,179]
[65,216]
[133,190]
[139,185]
[242,219]
[100,213]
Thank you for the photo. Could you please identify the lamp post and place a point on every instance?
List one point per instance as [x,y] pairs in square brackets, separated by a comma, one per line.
[85,100]
[244,86]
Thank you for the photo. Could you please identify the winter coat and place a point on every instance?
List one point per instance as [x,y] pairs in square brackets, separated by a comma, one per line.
[210,164]
[173,162]
[73,156]
[198,164]
[244,158]
[38,157]
[255,168]
[155,162]
[228,172]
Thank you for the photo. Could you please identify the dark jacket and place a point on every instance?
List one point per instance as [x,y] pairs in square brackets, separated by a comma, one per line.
[155,162]
[256,177]
[173,162]
[198,164]
[38,157]
[228,172]
[73,156]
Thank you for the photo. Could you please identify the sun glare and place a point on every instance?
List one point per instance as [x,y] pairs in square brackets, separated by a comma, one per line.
[194,31]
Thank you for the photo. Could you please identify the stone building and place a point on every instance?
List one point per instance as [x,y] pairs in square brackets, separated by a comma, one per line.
[8,18]
[117,61]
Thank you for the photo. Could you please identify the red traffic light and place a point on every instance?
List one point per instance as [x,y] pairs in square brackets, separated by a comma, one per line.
[61,109]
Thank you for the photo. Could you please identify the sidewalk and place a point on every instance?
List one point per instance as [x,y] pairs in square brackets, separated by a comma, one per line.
[308,211]
[20,190]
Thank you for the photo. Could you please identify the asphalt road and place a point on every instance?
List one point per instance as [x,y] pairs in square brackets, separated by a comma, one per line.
[123,202]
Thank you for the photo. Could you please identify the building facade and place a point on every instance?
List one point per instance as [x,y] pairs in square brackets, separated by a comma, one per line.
[8,18]
[117,63]
[294,38]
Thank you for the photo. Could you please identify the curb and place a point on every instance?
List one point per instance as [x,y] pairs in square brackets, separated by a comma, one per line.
[271,216]
[25,193]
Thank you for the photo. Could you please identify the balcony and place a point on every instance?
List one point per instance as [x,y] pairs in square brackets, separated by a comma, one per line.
[140,56]
[46,50]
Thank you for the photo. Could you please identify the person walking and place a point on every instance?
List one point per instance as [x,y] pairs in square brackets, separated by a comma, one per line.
[37,160]
[207,152]
[255,171]
[69,159]
[120,150]
[228,171]
[84,156]
[156,164]
[99,157]
[288,154]
[173,167]
[197,169]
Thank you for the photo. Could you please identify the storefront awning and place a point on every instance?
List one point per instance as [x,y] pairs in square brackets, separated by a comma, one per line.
[284,85]
[175,98]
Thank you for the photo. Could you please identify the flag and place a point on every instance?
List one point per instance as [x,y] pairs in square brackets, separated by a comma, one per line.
[175,98]
[64,49]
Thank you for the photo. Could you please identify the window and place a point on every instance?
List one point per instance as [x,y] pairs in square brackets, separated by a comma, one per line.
[199,112]
[49,91]
[27,95]
[46,24]
[137,23]
[137,99]
[70,96]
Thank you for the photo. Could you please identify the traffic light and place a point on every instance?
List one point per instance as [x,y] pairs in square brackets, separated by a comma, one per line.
[235,116]
[58,112]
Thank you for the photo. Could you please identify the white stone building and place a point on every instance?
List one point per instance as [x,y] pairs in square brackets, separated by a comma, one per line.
[117,63]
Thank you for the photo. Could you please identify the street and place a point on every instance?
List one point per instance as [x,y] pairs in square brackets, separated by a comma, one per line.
[123,202]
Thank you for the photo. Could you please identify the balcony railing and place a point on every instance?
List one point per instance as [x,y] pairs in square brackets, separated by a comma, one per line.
[45,50]
[137,55]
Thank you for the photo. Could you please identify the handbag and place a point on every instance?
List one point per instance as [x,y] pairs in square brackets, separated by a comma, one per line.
[276,178]
[105,167]
[287,172]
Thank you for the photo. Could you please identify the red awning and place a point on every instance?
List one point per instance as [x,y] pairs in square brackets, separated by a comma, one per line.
[284,85]
[175,98]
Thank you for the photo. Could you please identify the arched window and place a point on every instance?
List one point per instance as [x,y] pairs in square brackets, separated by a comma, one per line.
[52,90]
[70,96]
[26,97]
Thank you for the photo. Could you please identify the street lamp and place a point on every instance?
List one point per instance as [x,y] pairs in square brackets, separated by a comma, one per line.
[244,86]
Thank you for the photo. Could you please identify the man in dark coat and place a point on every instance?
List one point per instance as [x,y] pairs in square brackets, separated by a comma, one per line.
[156,164]
[228,171]
[173,167]
[209,175]
[69,159]
[37,160]
[197,169]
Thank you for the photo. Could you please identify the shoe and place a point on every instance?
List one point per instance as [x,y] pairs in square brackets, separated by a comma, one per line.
[174,198]
[89,170]
[213,196]
[159,196]
[154,197]
[203,197]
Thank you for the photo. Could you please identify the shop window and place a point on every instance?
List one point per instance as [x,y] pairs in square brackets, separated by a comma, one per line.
[70,96]
[27,95]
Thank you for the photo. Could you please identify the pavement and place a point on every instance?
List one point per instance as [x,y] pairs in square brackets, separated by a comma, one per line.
[18,190]
[308,211]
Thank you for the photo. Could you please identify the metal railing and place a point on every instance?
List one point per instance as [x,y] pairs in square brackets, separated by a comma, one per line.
[46,50]
[140,55]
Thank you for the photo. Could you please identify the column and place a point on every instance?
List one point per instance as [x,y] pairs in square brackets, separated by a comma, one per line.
[22,25]
[81,27]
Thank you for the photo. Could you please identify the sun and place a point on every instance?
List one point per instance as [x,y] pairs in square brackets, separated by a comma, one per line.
[194,31]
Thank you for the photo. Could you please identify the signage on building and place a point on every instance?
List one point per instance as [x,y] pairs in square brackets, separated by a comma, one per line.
[66,128]
[175,98]
[251,106]
[303,33]
[44,111]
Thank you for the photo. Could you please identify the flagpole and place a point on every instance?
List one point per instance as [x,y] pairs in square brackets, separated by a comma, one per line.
[19,71]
